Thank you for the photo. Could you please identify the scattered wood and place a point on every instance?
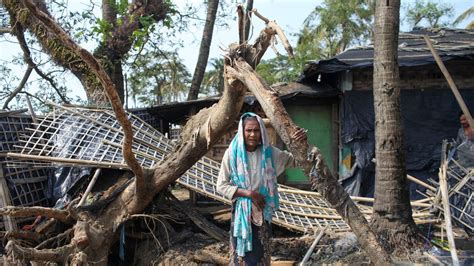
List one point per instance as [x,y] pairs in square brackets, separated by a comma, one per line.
[28,235]
[447,210]
[210,257]
[60,215]
[311,248]
[199,220]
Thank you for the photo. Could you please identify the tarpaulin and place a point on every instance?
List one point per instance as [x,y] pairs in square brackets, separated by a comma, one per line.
[429,116]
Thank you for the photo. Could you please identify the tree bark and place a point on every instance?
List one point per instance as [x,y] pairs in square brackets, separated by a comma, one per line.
[312,163]
[392,218]
[248,19]
[206,40]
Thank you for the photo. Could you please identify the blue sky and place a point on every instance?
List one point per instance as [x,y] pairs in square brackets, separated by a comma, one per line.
[289,14]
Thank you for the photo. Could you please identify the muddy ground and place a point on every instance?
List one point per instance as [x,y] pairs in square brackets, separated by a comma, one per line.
[195,247]
[178,241]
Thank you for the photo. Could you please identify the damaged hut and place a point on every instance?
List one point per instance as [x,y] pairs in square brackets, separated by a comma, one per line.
[429,108]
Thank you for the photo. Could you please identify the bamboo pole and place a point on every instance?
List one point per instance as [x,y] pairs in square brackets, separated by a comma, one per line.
[450,80]
[447,213]
[311,248]
[89,187]
[5,200]
[419,182]
[67,161]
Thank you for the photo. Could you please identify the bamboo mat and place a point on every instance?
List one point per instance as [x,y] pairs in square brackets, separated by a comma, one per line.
[78,136]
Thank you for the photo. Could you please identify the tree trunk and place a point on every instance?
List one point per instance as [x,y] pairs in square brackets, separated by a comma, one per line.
[206,40]
[392,218]
[248,18]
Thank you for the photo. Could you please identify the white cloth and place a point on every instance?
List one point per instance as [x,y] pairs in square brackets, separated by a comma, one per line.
[282,160]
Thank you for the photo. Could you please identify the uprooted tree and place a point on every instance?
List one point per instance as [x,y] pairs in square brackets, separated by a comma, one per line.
[93,235]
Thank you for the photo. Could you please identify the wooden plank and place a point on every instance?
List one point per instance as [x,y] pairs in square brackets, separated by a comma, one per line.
[450,80]
[199,220]
[5,200]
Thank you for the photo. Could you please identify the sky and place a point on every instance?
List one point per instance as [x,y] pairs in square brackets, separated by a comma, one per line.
[289,14]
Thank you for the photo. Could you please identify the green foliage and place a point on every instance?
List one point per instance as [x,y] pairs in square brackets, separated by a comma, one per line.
[465,15]
[335,25]
[213,81]
[429,13]
[157,77]
[329,29]
[102,28]
[279,69]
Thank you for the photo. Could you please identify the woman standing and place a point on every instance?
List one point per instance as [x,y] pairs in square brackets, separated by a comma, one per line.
[248,177]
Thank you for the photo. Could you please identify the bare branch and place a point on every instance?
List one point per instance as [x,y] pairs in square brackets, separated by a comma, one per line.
[282,37]
[64,234]
[109,88]
[241,23]
[60,254]
[5,30]
[20,234]
[60,215]
[19,87]
[266,20]
[273,25]
[27,57]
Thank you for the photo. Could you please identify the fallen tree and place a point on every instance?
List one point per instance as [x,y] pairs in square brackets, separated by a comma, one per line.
[93,235]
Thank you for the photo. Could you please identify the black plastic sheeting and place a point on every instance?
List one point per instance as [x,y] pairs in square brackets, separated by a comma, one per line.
[429,116]
[65,178]
[334,65]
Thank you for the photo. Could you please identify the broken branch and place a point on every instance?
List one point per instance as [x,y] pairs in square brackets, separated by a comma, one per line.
[5,30]
[260,16]
[60,254]
[199,220]
[19,87]
[20,234]
[27,57]
[60,215]
[273,25]
[109,88]
[241,23]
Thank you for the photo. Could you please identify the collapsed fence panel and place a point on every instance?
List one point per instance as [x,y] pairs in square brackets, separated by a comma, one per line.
[87,137]
[21,185]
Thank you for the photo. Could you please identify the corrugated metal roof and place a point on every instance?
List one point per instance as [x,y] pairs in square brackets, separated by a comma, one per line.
[178,111]
[412,51]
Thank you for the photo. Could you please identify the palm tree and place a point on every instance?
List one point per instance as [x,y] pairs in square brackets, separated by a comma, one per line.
[466,14]
[338,24]
[158,77]
[204,49]
[213,82]
[392,217]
